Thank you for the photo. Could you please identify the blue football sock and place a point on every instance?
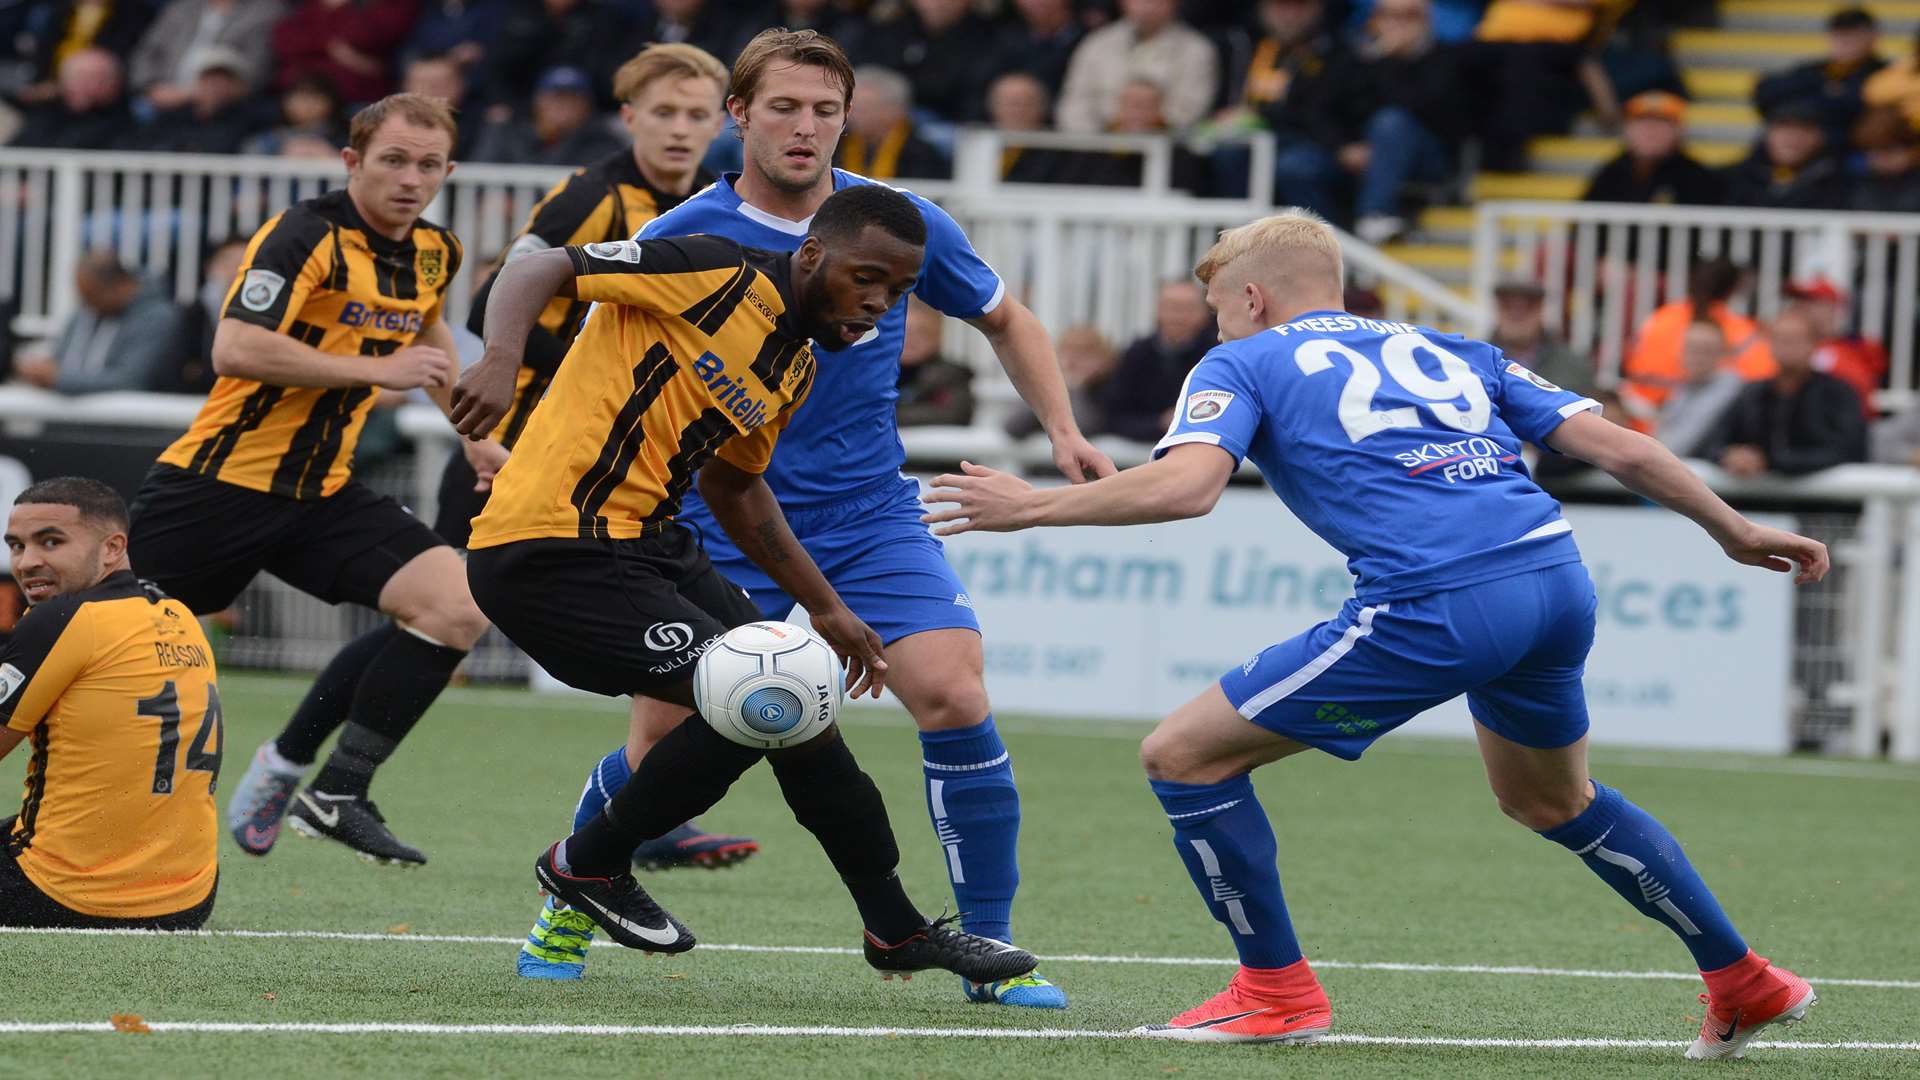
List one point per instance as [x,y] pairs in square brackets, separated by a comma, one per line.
[976,814]
[1224,838]
[609,775]
[1643,862]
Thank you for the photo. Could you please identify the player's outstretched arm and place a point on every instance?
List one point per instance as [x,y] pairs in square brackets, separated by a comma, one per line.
[744,505]
[243,350]
[1650,469]
[1185,483]
[1025,350]
[520,292]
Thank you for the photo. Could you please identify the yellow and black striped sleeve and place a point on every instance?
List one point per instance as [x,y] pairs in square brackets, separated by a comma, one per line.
[290,257]
[578,211]
[753,452]
[667,277]
[49,648]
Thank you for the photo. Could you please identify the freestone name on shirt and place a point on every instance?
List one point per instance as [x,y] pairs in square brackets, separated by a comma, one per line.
[173,655]
[1344,324]
[357,314]
[729,393]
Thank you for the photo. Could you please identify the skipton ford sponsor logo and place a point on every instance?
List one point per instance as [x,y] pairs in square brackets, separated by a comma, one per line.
[1457,461]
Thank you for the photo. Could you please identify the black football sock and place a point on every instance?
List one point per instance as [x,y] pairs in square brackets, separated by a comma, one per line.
[838,803]
[325,707]
[394,692]
[679,779]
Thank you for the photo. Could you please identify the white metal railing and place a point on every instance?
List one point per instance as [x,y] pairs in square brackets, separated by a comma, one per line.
[1080,254]
[1606,266]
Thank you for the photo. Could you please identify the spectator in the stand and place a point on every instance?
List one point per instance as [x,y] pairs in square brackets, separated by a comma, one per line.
[1138,401]
[538,35]
[1653,363]
[45,34]
[1147,42]
[943,48]
[1654,166]
[1039,41]
[118,339]
[693,22]
[309,109]
[1525,67]
[821,16]
[89,112]
[351,42]
[463,31]
[1086,366]
[1891,184]
[192,350]
[1019,102]
[1520,333]
[1790,169]
[308,148]
[445,78]
[1797,422]
[1831,85]
[1693,416]
[933,389]
[881,139]
[160,68]
[1283,91]
[219,113]
[1858,361]
[1897,87]
[1399,109]
[1138,109]
[561,127]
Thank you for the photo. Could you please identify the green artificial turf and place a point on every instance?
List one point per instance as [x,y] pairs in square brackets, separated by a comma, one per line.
[1402,859]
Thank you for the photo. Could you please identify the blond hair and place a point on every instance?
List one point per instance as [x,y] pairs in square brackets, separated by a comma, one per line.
[676,61]
[1291,249]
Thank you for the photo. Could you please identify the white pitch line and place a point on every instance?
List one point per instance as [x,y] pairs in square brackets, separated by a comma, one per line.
[217,1027]
[1053,958]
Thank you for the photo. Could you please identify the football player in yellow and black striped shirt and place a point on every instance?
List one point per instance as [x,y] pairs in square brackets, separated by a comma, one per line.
[671,103]
[339,297]
[112,683]
[694,358]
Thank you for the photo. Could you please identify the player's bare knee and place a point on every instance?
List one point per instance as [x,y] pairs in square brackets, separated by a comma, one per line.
[1542,813]
[454,621]
[956,702]
[1165,757]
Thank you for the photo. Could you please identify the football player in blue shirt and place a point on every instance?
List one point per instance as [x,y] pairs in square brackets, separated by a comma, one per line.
[837,476]
[1400,446]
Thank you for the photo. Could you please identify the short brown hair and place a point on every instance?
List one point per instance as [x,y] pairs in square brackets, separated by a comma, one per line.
[804,47]
[677,61]
[416,109]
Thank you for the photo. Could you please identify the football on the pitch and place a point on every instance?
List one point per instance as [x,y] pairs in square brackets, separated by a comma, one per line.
[769,685]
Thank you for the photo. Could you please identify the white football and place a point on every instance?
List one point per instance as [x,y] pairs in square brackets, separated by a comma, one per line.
[769,685]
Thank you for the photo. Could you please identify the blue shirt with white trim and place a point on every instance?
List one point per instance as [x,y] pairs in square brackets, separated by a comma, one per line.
[1397,444]
[844,439]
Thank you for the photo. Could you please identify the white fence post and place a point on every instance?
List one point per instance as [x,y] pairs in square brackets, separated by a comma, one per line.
[69,203]
[1871,590]
[1906,704]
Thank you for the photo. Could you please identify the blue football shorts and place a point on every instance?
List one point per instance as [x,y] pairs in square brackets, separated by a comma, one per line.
[874,550]
[1515,646]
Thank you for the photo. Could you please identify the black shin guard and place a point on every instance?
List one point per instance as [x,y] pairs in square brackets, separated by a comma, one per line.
[325,707]
[393,693]
[679,779]
[838,803]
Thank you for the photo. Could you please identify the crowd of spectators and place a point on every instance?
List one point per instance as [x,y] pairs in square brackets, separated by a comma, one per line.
[1365,96]
[1839,133]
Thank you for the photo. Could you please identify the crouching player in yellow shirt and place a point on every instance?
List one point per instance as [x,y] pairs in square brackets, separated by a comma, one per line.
[111,684]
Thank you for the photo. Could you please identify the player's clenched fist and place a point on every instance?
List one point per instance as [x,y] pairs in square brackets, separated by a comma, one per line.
[413,367]
[482,397]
